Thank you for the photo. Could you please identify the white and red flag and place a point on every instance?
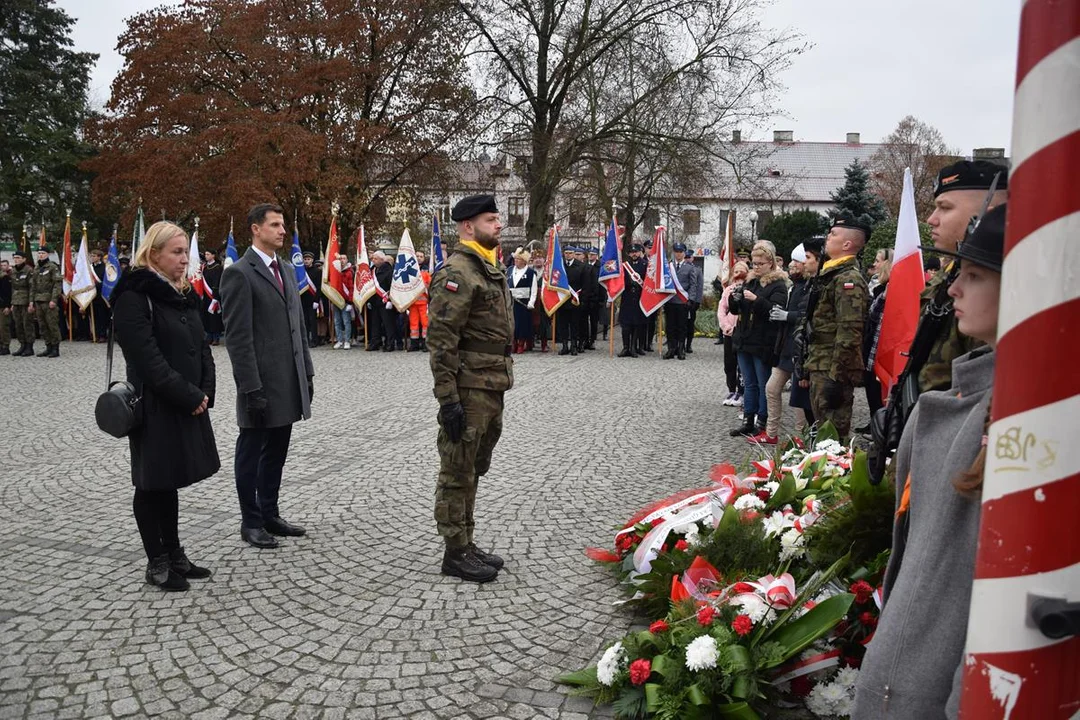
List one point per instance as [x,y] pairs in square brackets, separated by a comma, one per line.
[727,252]
[67,260]
[83,283]
[332,280]
[611,263]
[364,285]
[660,284]
[901,314]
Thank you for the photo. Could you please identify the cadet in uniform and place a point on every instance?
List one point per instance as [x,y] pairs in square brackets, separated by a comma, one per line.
[469,335]
[48,286]
[631,318]
[835,316]
[958,196]
[22,281]
[5,308]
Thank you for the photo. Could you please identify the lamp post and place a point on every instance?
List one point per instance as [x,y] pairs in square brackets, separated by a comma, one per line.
[753,227]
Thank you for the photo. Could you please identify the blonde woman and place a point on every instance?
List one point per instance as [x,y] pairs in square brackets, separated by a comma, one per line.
[159,327]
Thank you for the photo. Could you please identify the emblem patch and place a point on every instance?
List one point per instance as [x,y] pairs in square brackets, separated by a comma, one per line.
[451,286]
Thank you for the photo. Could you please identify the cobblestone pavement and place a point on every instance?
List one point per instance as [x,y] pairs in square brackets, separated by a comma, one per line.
[353,621]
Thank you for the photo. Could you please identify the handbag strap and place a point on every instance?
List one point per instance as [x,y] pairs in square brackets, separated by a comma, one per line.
[109,347]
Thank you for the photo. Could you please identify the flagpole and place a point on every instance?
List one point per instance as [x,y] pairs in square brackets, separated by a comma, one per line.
[67,251]
[554,320]
[611,331]
[660,331]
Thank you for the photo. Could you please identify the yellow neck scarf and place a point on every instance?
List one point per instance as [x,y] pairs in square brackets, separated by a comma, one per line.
[830,264]
[480,250]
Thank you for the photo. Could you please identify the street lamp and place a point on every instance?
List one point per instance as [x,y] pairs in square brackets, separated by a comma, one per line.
[753,226]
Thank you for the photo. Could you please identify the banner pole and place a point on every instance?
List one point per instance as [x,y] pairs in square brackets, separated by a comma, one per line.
[554,319]
[611,331]
[660,331]
[365,327]
[70,321]
[93,329]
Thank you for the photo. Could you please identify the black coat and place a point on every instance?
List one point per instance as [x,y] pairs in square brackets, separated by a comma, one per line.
[170,364]
[796,309]
[755,333]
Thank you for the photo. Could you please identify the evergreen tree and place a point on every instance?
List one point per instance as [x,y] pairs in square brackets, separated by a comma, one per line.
[854,199]
[787,230]
[43,105]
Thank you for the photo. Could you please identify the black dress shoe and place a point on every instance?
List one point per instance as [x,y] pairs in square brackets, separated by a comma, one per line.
[689,351]
[258,537]
[626,352]
[277,526]
[669,354]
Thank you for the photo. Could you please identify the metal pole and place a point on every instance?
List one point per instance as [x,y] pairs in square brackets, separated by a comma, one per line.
[1016,665]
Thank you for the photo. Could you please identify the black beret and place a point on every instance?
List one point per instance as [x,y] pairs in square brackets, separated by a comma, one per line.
[45,249]
[859,223]
[986,244]
[18,253]
[970,175]
[124,259]
[472,206]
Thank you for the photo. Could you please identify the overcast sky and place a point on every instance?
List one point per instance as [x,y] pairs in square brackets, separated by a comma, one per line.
[951,63]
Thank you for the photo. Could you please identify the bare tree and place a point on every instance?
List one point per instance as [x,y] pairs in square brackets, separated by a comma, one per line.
[919,146]
[554,66]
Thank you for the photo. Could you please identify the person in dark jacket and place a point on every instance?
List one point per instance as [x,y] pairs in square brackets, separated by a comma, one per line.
[754,338]
[158,325]
[212,322]
[882,268]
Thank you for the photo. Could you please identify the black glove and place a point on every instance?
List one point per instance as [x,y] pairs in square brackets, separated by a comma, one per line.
[452,418]
[832,393]
[310,387]
[255,404]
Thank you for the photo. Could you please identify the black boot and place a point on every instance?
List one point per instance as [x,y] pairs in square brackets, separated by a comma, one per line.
[626,352]
[5,350]
[669,354]
[423,345]
[565,349]
[26,350]
[487,558]
[45,352]
[179,563]
[746,429]
[54,351]
[459,562]
[682,353]
[160,573]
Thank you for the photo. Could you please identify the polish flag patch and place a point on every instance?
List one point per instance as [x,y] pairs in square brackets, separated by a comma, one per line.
[849,286]
[451,286]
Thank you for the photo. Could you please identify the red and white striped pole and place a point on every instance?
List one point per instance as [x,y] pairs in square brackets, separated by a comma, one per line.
[1029,547]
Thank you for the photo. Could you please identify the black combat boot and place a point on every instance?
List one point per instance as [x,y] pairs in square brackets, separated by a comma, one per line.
[459,562]
[423,345]
[5,350]
[746,429]
[160,573]
[669,354]
[45,352]
[26,350]
[54,351]
[565,349]
[626,352]
[485,557]
[681,354]
[179,563]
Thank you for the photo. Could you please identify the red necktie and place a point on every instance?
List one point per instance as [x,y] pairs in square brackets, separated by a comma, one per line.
[277,275]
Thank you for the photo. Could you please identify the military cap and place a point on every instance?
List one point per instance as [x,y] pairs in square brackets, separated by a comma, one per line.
[44,249]
[859,223]
[679,247]
[309,254]
[636,247]
[648,243]
[986,244]
[593,251]
[971,175]
[469,207]
[18,253]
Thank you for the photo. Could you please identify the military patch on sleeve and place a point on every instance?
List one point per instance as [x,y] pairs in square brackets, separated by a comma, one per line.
[849,286]
[451,286]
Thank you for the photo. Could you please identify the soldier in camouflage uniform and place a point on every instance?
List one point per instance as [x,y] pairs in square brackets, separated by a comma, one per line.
[45,301]
[835,316]
[22,279]
[5,307]
[469,335]
[958,196]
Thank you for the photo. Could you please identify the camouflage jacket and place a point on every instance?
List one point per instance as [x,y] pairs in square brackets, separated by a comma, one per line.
[48,283]
[22,280]
[836,316]
[936,372]
[471,326]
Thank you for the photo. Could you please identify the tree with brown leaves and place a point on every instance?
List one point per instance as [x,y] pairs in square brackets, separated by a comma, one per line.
[921,147]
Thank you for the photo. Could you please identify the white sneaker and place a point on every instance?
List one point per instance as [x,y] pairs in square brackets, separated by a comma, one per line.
[347,346]
[338,345]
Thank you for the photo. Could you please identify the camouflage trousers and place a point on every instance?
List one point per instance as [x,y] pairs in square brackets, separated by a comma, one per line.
[5,328]
[49,322]
[839,416]
[24,324]
[462,463]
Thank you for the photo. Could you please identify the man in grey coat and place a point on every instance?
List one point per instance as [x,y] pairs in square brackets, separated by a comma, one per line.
[695,289]
[267,343]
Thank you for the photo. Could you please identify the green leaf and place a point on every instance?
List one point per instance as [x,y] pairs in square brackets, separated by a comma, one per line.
[663,665]
[738,658]
[729,518]
[742,687]
[798,634]
[581,678]
[737,711]
[785,493]
[653,696]
[631,704]
[696,695]
[807,593]
[826,431]
[862,492]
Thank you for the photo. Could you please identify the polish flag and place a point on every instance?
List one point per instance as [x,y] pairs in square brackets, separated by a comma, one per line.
[901,314]
[727,253]
[364,280]
[660,283]
[332,281]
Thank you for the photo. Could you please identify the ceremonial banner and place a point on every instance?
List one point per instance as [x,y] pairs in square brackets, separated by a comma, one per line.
[906,282]
[194,268]
[67,262]
[438,257]
[611,271]
[83,287]
[407,284]
[660,285]
[137,233]
[557,288]
[363,279]
[112,270]
[331,279]
[303,282]
[727,252]
[231,255]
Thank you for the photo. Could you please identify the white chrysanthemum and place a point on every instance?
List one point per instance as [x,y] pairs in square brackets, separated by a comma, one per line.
[816,704]
[689,528]
[831,446]
[776,523]
[772,486]
[701,653]
[791,544]
[610,664]
[749,501]
[755,607]
[833,693]
[845,706]
[846,677]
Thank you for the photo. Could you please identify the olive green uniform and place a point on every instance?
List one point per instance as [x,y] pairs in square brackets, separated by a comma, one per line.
[22,281]
[471,328]
[5,314]
[836,317]
[48,287]
[936,372]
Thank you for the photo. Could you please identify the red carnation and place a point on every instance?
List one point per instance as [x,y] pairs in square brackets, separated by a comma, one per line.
[705,616]
[868,619]
[863,592]
[763,495]
[742,625]
[682,545]
[658,627]
[639,671]
[741,587]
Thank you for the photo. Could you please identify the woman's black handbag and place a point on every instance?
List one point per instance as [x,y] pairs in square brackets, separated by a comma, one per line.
[119,409]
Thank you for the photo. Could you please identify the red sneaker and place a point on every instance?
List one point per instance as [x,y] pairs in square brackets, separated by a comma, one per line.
[762,438]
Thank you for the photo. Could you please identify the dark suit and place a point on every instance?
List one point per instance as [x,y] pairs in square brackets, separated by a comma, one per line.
[597,301]
[275,359]
[573,319]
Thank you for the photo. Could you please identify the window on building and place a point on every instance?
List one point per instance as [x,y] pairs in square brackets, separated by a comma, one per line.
[724,222]
[515,214]
[691,221]
[578,212]
[650,219]
[764,217]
